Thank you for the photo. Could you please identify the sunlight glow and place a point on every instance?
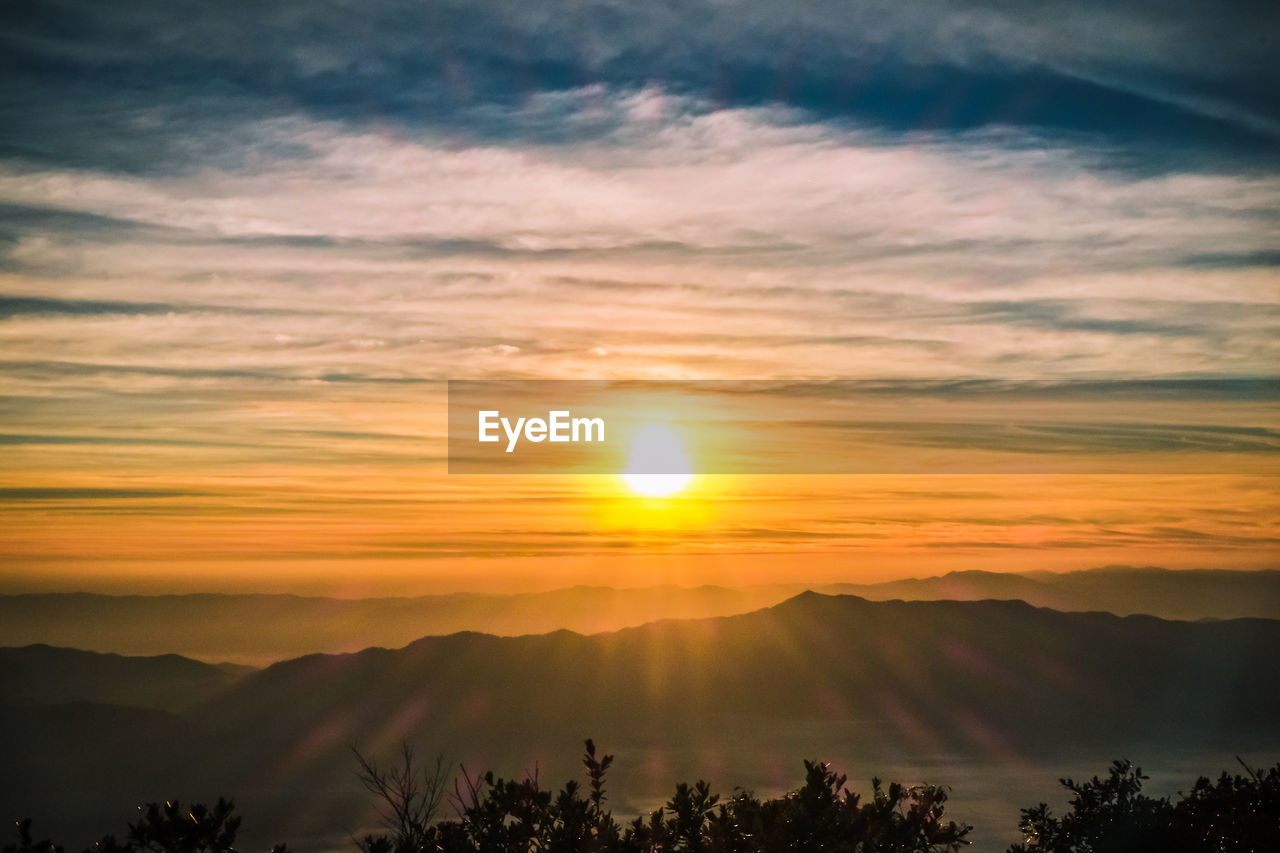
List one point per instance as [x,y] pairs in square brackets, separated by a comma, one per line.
[657,448]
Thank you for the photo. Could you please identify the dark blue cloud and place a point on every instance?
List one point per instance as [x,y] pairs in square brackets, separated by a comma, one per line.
[1232,260]
[145,85]
[1070,438]
[1185,390]
[18,218]
[63,494]
[15,306]
[52,370]
[1172,320]
[24,439]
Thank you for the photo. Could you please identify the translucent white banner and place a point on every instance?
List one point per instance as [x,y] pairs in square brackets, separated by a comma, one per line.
[863,427]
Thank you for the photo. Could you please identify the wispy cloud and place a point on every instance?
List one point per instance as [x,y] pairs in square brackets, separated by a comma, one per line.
[1170,82]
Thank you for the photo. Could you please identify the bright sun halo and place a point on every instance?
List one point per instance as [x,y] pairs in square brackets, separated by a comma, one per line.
[658,465]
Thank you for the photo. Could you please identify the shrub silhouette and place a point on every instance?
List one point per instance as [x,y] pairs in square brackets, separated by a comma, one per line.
[169,828]
[822,815]
[26,844]
[498,815]
[162,828]
[1235,814]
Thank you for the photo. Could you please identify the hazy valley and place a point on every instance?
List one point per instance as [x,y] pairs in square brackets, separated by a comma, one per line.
[995,698]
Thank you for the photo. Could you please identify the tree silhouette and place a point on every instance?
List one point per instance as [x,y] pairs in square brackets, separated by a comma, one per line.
[26,844]
[825,815]
[170,828]
[163,828]
[496,815]
[1235,814]
[408,800]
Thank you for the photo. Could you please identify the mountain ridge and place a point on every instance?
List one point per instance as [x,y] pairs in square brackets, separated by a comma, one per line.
[207,626]
[941,688]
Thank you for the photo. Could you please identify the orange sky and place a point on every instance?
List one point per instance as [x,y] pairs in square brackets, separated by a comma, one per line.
[231,484]
[370,531]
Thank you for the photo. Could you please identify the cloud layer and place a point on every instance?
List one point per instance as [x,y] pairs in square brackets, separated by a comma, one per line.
[241,245]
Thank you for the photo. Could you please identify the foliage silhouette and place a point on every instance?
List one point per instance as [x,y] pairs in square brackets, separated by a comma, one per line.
[498,815]
[162,828]
[26,844]
[171,829]
[822,815]
[1235,814]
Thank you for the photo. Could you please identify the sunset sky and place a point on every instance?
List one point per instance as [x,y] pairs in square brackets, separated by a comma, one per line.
[243,246]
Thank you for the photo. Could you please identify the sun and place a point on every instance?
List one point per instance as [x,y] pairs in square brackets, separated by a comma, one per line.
[658,465]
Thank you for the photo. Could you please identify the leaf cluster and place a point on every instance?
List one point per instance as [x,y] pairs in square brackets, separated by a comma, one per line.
[1234,814]
[498,815]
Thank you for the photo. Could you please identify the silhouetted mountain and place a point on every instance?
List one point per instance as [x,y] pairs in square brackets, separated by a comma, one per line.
[1188,594]
[934,687]
[46,675]
[211,627]
[1022,671]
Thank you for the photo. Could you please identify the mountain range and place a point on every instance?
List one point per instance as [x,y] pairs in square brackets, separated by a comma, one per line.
[211,627]
[992,697]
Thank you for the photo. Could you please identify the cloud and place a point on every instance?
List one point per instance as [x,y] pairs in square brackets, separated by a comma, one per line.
[148,86]
[106,440]
[14,306]
[738,184]
[1228,260]
[683,239]
[60,494]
